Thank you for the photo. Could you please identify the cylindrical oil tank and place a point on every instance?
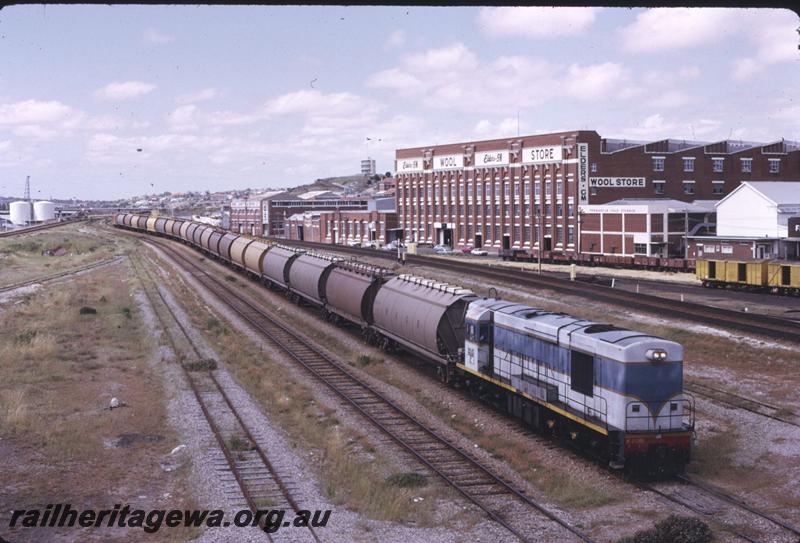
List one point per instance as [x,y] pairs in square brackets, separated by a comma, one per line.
[351,288]
[205,237]
[161,224]
[238,248]
[254,255]
[308,274]
[213,242]
[277,263]
[225,246]
[151,224]
[44,211]
[20,212]
[422,314]
[185,227]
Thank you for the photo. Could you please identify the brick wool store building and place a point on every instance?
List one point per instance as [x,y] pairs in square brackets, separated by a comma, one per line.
[534,192]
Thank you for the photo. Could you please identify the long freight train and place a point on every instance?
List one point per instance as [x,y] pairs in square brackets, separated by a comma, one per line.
[615,392]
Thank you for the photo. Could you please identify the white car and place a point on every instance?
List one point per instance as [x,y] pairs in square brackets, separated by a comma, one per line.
[479,252]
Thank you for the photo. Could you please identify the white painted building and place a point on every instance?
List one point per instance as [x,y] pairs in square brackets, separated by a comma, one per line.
[759,209]
[754,221]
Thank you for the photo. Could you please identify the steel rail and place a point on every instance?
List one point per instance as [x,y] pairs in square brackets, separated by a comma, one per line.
[339,379]
[720,395]
[37,228]
[773,327]
[248,495]
[737,502]
[65,273]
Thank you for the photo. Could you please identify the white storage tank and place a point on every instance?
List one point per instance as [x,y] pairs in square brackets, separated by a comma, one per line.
[44,211]
[20,212]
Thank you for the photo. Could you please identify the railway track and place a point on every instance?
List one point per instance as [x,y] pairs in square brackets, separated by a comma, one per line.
[252,480]
[710,501]
[468,476]
[742,402]
[20,231]
[772,327]
[65,273]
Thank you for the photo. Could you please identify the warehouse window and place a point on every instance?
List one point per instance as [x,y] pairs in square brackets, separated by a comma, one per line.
[559,210]
[640,248]
[717,164]
[717,187]
[747,165]
[688,164]
[559,235]
[658,187]
[570,209]
[774,165]
[496,232]
[582,373]
[593,191]
[688,187]
[658,163]
[594,167]
[548,188]
[571,235]
[559,188]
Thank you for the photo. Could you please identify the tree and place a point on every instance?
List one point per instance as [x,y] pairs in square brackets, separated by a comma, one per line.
[387,174]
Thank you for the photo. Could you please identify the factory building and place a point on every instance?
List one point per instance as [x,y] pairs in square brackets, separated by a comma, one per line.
[266,214]
[759,219]
[375,225]
[532,192]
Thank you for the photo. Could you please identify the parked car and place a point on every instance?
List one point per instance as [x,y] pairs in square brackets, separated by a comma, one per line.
[391,246]
[479,252]
[443,251]
[467,249]
[369,245]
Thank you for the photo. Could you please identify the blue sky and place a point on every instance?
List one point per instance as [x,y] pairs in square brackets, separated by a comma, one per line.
[220,97]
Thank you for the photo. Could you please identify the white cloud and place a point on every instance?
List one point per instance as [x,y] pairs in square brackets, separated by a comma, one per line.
[310,102]
[773,36]
[396,39]
[124,90]
[35,112]
[453,77]
[507,127]
[154,37]
[535,22]
[183,118]
[656,126]
[662,29]
[594,81]
[199,96]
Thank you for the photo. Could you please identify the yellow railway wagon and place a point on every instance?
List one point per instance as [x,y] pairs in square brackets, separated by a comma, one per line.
[745,272]
[710,270]
[151,224]
[784,276]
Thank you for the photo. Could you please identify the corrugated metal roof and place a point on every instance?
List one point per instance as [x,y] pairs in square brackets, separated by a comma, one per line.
[780,192]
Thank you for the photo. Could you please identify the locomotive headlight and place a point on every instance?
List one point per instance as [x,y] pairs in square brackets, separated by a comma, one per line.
[656,355]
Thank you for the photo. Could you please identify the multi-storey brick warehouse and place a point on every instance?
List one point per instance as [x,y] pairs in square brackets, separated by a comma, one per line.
[527,191]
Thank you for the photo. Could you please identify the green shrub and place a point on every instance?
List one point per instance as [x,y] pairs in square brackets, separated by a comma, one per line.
[86,310]
[674,529]
[407,479]
[201,365]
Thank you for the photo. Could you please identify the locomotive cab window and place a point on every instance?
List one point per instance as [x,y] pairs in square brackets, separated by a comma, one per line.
[582,372]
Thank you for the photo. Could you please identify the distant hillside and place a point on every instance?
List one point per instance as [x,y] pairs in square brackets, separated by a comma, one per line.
[348,183]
